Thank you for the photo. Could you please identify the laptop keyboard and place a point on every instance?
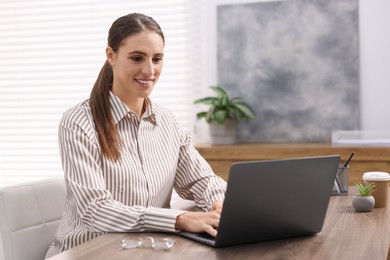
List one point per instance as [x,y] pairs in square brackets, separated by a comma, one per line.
[206,236]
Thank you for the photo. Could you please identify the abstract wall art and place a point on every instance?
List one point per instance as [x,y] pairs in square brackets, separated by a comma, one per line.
[296,62]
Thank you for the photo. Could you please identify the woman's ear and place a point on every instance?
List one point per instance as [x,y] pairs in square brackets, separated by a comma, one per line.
[110,55]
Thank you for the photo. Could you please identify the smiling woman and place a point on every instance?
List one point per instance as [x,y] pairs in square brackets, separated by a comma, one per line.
[123,154]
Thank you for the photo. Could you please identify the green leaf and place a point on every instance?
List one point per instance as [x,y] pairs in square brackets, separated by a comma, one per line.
[365,189]
[206,100]
[246,110]
[210,115]
[201,115]
[224,100]
[220,116]
[220,91]
[236,100]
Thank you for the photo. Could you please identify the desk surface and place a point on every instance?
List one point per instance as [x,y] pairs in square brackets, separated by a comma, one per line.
[346,235]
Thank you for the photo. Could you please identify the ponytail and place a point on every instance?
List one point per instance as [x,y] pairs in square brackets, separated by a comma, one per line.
[101,111]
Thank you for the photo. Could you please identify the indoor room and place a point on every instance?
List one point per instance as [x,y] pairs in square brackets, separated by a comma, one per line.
[126,124]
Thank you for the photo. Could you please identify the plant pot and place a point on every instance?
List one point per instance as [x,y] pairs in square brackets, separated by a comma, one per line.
[223,134]
[363,204]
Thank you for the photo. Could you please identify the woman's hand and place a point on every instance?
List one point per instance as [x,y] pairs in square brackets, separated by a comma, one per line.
[198,222]
[217,205]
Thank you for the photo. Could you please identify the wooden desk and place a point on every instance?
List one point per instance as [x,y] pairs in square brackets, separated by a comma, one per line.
[365,159]
[345,235]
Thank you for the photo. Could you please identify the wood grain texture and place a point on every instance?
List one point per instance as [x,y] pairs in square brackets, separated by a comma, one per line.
[346,235]
[365,159]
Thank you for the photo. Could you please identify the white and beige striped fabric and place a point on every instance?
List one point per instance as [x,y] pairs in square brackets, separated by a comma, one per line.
[133,193]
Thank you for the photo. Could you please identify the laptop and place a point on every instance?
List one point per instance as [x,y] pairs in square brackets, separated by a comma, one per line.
[275,199]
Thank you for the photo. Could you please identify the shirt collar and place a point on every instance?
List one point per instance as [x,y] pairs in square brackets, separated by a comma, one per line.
[119,110]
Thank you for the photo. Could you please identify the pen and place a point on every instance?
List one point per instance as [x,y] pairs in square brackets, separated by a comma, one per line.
[349,159]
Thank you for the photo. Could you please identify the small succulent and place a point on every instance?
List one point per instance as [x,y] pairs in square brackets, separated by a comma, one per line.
[365,189]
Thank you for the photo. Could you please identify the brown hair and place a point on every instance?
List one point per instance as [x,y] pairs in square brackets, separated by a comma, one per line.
[120,30]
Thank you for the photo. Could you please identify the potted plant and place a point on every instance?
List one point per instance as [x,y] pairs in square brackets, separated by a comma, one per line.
[224,115]
[364,201]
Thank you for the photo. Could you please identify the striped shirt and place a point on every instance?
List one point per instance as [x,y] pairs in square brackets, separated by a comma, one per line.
[133,193]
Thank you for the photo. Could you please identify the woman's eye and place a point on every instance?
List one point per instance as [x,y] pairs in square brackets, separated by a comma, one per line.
[136,58]
[157,59]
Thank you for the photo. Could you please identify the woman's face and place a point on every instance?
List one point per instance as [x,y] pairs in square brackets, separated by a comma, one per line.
[136,66]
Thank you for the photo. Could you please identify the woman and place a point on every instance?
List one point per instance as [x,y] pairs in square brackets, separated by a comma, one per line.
[122,154]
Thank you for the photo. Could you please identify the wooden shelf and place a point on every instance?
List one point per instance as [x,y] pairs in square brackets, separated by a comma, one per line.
[365,159]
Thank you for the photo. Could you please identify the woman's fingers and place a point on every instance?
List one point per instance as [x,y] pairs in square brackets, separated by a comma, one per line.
[199,222]
[211,231]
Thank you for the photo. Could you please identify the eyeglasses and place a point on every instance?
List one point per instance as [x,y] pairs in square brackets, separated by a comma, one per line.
[148,242]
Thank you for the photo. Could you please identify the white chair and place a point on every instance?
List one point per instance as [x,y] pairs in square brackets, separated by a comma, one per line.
[29,217]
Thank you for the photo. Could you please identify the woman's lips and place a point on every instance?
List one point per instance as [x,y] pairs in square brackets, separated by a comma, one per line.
[145,82]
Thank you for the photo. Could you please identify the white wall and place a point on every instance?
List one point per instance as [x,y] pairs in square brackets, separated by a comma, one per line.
[374,60]
[375,64]
[1,250]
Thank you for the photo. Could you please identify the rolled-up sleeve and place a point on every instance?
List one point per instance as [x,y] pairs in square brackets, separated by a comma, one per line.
[195,179]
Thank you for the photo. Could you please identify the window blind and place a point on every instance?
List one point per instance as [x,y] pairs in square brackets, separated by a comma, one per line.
[51,53]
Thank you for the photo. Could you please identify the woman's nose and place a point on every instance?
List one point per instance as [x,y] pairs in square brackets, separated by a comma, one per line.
[148,68]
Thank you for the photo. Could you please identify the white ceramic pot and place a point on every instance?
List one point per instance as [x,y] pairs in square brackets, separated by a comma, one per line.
[363,204]
[223,134]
